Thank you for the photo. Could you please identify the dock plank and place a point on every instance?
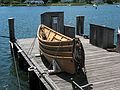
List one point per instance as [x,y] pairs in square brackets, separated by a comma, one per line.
[102,67]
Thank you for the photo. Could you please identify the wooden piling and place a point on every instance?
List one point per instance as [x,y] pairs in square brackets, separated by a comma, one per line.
[11,29]
[80,25]
[11,34]
[118,43]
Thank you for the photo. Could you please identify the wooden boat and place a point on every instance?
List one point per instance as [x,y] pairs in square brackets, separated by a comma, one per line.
[66,51]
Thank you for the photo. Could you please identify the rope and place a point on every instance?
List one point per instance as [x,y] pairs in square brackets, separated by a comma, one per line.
[18,80]
[31,46]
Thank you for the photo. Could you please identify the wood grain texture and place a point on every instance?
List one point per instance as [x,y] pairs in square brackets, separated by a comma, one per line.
[103,67]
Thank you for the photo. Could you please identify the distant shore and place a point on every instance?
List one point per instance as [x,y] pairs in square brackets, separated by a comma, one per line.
[54,4]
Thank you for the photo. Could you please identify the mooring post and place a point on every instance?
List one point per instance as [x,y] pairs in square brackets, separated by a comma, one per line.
[11,33]
[80,25]
[118,42]
[11,29]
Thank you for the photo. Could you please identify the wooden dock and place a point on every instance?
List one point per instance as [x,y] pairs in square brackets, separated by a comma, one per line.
[103,67]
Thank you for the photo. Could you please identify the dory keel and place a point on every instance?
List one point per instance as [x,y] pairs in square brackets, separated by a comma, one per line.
[67,52]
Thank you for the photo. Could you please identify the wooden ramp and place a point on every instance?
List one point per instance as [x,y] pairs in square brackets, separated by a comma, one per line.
[103,67]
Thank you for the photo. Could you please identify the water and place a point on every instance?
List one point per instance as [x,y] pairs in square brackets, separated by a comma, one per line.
[27,20]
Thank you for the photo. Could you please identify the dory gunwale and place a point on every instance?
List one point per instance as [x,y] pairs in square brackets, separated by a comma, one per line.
[69,40]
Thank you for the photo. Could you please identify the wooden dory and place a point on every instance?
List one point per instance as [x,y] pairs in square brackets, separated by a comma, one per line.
[67,52]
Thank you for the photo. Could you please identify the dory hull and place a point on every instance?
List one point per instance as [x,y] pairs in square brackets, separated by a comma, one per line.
[66,64]
[58,47]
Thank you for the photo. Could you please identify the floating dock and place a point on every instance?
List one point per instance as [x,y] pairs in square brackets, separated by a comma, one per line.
[102,67]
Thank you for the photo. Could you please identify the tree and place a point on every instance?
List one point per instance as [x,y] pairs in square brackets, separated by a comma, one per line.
[23,0]
[55,1]
[109,1]
[88,1]
[45,1]
[115,1]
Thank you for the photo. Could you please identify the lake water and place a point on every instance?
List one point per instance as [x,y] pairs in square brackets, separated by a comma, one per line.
[27,20]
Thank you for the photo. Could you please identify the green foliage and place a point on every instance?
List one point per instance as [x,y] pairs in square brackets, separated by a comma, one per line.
[11,1]
[109,1]
[55,1]
[45,1]
[88,1]
[116,0]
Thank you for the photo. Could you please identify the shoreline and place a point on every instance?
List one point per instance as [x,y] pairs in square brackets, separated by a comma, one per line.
[58,4]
